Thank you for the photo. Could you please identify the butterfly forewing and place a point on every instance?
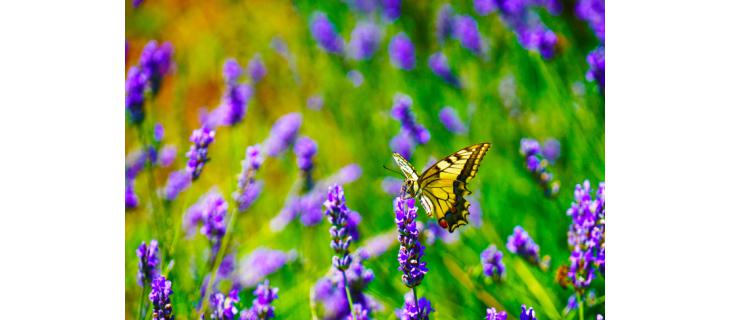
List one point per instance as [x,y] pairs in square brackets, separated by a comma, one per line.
[443,185]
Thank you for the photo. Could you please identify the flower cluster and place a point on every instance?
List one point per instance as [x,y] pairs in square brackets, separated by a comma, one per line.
[305,149]
[593,12]
[135,87]
[586,235]
[538,165]
[198,153]
[413,311]
[439,64]
[325,34]
[527,313]
[262,262]
[131,200]
[262,308]
[210,212]
[492,314]
[492,263]
[531,31]
[177,182]
[391,9]
[235,97]
[450,119]
[160,297]
[364,40]
[156,62]
[444,23]
[358,313]
[330,291]
[411,131]
[402,52]
[411,250]
[466,30]
[256,68]
[224,307]
[597,67]
[148,263]
[522,244]
[283,133]
[248,187]
[337,213]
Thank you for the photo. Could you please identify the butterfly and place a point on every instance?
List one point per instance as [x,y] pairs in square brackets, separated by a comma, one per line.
[442,187]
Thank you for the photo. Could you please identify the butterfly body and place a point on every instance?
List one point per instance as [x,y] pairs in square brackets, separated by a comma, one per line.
[441,188]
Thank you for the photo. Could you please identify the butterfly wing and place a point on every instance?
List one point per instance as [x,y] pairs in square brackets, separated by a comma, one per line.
[408,170]
[443,185]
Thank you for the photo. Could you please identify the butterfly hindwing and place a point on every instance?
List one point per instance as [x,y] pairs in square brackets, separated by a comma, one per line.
[443,185]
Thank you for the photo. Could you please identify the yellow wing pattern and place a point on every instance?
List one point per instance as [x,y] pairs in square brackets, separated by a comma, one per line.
[443,186]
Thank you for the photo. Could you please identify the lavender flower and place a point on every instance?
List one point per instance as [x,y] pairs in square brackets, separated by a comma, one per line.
[444,23]
[521,244]
[571,305]
[330,291]
[411,250]
[363,6]
[355,77]
[136,3]
[235,99]
[402,145]
[538,166]
[148,263]
[492,313]
[210,213]
[364,40]
[262,262]
[248,187]
[530,30]
[315,102]
[597,67]
[551,149]
[402,53]
[536,36]
[410,129]
[134,102]
[256,68]
[155,62]
[587,235]
[391,9]
[411,312]
[337,213]
[231,71]
[492,263]
[593,12]
[262,308]
[224,307]
[439,64]
[131,200]
[158,132]
[467,32]
[527,314]
[160,297]
[325,34]
[309,207]
[198,153]
[167,155]
[283,133]
[391,185]
[484,7]
[305,149]
[359,313]
[177,182]
[450,119]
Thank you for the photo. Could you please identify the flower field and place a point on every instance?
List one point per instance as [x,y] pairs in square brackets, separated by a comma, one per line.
[260,180]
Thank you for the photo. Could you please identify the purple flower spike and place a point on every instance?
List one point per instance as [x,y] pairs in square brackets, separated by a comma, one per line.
[492,313]
[439,64]
[262,308]
[283,133]
[538,165]
[527,314]
[248,187]
[410,312]
[177,182]
[444,23]
[411,250]
[325,34]
[256,68]
[521,244]
[402,53]
[231,71]
[134,102]
[485,7]
[451,121]
[359,312]
[262,262]
[593,12]
[597,67]
[148,263]
[551,149]
[224,307]
[587,235]
[198,154]
[131,200]
[402,144]
[402,112]
[305,149]
[364,40]
[156,62]
[160,297]
[467,32]
[391,9]
[168,155]
[492,263]
[338,213]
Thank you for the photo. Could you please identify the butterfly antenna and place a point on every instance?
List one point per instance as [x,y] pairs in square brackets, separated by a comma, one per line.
[389,169]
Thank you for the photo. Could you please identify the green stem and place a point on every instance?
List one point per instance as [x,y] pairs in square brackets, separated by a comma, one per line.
[220,253]
[347,292]
[415,300]
[142,303]
[580,306]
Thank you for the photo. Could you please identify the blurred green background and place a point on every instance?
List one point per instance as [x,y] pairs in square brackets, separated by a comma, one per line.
[355,126]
